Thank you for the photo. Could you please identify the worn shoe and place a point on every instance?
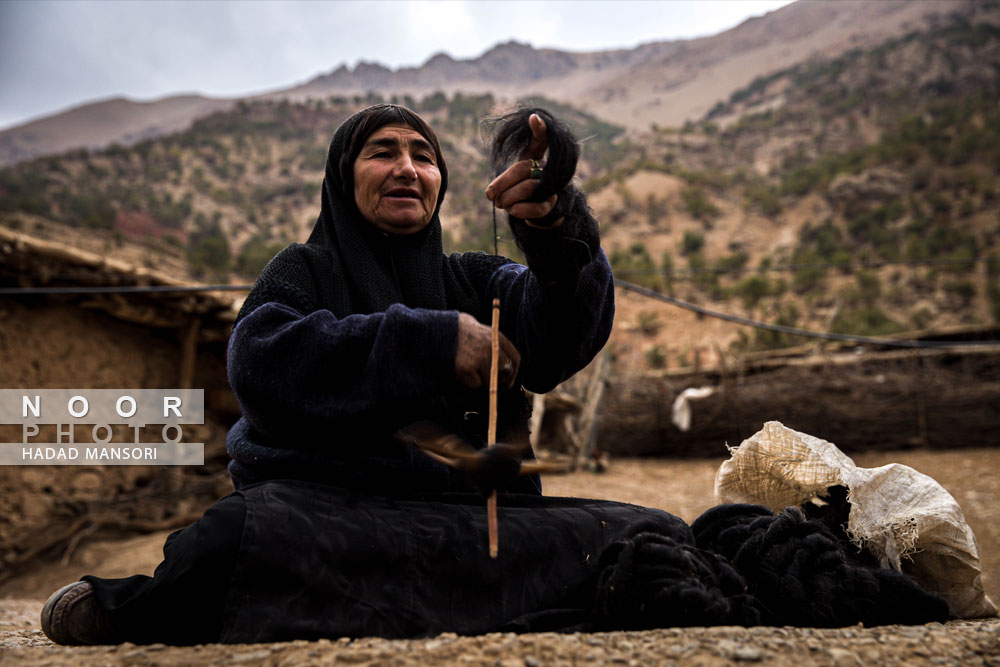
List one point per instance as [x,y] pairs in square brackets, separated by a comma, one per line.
[72,617]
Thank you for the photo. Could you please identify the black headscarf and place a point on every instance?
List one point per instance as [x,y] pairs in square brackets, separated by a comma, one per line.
[348,266]
[380,269]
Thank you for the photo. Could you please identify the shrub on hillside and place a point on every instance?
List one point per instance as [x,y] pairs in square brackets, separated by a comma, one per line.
[766,339]
[635,265]
[865,320]
[86,209]
[703,276]
[656,212]
[648,322]
[208,251]
[809,273]
[255,255]
[734,263]
[692,242]
[752,289]
[656,358]
[698,205]
[764,198]
[667,270]
[826,243]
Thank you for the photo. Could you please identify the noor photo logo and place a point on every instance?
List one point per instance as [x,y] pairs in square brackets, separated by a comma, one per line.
[101,426]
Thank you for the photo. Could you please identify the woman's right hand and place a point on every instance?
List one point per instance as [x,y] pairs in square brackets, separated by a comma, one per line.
[473,354]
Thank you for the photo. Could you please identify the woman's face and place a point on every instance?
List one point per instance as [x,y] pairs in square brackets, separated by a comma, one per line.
[396,180]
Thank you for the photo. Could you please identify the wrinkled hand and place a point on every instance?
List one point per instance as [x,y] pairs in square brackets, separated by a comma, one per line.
[473,354]
[511,189]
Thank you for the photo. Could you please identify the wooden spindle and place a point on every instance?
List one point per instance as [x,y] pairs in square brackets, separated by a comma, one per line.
[491,502]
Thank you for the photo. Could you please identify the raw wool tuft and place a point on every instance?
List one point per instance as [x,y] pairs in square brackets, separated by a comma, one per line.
[653,580]
[799,571]
[904,518]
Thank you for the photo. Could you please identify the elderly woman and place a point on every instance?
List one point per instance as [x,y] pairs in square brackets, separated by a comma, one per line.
[369,327]
[339,525]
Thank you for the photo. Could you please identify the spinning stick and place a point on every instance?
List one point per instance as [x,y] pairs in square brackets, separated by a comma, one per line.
[491,439]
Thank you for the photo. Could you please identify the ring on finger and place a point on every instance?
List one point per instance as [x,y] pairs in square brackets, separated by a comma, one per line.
[536,170]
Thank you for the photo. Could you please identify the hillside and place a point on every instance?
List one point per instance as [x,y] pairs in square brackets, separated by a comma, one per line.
[855,194]
[880,162]
[665,82]
[218,199]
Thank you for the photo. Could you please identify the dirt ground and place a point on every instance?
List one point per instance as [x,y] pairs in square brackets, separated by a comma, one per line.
[682,487]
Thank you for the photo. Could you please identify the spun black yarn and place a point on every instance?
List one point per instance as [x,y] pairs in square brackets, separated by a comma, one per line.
[653,581]
[513,135]
[800,573]
[554,254]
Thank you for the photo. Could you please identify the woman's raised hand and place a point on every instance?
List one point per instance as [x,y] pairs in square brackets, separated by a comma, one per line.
[511,189]
[474,353]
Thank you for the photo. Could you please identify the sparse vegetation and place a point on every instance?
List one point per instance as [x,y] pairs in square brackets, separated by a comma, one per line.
[933,126]
[255,254]
[698,205]
[692,242]
[648,322]
[208,250]
[634,264]
[752,289]
[656,357]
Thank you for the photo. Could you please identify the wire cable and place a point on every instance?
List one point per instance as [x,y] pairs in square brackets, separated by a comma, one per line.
[685,275]
[795,331]
[780,328]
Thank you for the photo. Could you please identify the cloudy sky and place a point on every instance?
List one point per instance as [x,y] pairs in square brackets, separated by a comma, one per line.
[57,54]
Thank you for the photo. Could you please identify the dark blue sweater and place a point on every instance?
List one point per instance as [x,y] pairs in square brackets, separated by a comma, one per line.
[321,396]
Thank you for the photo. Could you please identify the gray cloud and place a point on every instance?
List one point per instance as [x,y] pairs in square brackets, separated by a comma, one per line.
[55,54]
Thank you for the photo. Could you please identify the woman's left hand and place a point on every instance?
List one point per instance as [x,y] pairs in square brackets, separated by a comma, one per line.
[511,189]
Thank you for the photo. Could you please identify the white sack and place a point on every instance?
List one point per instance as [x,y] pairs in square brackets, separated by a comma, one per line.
[903,517]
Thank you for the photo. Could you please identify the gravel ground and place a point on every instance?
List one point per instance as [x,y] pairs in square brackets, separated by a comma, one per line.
[683,487]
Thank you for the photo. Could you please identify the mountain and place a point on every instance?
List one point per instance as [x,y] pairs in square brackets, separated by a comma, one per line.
[663,83]
[99,124]
[854,193]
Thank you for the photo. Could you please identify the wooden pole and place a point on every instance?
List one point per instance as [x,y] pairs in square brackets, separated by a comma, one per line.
[189,353]
[588,418]
[537,417]
[491,502]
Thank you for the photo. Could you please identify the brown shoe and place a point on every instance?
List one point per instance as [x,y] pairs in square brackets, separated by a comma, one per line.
[72,617]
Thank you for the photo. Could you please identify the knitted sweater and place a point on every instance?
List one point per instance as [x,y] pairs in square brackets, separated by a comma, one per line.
[322,395]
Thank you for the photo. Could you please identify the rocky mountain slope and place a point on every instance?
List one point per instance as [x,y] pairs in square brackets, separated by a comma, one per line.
[855,193]
[666,83]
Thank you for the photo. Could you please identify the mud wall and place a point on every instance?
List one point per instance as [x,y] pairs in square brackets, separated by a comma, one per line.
[48,343]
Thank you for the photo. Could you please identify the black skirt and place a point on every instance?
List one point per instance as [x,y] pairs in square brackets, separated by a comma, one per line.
[284,560]
[318,561]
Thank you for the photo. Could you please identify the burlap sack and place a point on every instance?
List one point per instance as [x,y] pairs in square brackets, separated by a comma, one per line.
[905,518]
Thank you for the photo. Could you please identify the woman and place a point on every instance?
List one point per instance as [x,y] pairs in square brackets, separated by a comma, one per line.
[368,327]
[346,339]
[340,526]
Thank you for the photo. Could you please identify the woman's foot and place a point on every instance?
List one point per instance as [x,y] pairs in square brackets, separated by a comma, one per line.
[72,617]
